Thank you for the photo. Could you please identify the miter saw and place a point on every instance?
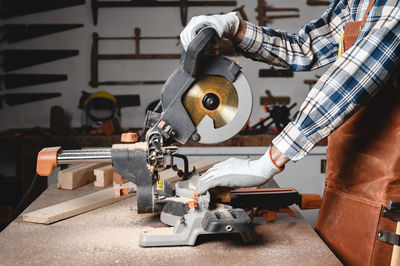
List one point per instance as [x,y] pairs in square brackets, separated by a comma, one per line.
[206,99]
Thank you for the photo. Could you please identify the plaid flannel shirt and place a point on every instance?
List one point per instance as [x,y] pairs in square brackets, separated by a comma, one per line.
[350,80]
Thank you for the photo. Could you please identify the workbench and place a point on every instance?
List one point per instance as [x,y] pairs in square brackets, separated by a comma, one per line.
[110,235]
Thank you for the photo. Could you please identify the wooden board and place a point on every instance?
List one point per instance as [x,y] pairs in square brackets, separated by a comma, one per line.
[78,176]
[98,199]
[73,207]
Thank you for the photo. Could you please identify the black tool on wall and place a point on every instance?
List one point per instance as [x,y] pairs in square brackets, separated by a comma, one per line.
[279,116]
[275,73]
[96,56]
[22,98]
[318,2]
[263,9]
[16,59]
[19,32]
[12,81]
[14,8]
[183,4]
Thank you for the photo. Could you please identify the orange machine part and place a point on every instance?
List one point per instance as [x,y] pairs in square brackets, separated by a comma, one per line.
[129,137]
[310,201]
[47,161]
[192,204]
[271,215]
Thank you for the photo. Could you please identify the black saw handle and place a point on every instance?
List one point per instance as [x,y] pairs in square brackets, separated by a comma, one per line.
[196,48]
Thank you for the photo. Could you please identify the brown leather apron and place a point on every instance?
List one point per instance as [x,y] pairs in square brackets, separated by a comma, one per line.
[363,174]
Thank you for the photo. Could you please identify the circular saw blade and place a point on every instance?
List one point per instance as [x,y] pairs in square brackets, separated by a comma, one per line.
[228,111]
[219,88]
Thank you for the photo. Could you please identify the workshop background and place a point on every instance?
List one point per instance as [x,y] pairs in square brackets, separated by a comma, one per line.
[153,22]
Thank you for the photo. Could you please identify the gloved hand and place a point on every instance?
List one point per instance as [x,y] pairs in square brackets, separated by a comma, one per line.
[225,25]
[236,172]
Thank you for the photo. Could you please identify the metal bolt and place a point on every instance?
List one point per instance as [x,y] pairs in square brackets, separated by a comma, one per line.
[229,228]
[195,137]
[379,234]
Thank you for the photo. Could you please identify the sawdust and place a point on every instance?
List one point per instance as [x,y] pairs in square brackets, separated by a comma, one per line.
[179,199]
[192,187]
[158,231]
[110,234]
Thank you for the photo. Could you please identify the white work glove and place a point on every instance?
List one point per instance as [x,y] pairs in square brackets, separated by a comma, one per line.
[236,172]
[225,25]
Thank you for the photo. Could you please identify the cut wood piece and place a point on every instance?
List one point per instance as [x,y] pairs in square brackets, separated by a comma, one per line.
[201,166]
[104,176]
[78,176]
[74,207]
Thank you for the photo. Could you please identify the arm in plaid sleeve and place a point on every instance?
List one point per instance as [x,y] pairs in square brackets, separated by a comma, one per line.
[314,46]
[346,86]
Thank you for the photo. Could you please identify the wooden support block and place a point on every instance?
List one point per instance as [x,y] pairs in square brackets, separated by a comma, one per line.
[78,176]
[74,207]
[118,183]
[104,176]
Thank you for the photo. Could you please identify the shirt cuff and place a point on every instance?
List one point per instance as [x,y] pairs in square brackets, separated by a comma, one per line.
[293,143]
[252,39]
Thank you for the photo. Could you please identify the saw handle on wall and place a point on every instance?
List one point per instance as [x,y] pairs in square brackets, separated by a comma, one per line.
[195,48]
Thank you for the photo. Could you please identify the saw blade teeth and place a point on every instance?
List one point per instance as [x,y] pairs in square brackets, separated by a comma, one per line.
[222,103]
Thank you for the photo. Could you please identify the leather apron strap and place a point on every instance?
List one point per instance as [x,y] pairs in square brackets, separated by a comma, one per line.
[352,29]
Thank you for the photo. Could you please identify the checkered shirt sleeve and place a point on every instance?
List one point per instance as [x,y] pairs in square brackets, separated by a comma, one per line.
[350,80]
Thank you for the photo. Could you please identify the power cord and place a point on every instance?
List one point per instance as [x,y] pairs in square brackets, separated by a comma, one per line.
[27,193]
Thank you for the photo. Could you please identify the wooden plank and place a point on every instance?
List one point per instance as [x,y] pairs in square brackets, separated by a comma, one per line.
[104,176]
[78,176]
[98,199]
[74,207]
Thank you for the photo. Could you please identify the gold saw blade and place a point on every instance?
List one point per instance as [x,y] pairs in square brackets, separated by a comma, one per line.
[218,87]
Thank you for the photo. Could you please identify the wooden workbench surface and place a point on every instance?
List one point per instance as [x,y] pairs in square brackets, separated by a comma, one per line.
[110,235]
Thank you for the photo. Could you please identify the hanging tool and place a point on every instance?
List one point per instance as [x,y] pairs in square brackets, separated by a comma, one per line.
[310,83]
[103,100]
[263,7]
[12,81]
[279,116]
[275,73]
[183,4]
[16,59]
[12,33]
[274,100]
[102,110]
[318,3]
[241,11]
[14,8]
[22,98]
[96,57]
[242,14]
[226,48]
